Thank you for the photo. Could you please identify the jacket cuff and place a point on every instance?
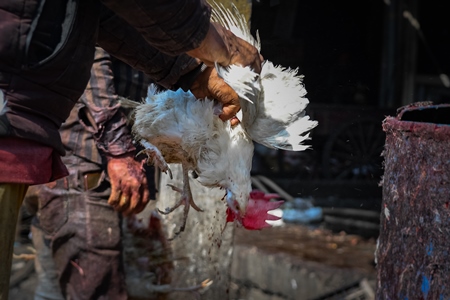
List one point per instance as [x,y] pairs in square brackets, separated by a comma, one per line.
[185,81]
[114,136]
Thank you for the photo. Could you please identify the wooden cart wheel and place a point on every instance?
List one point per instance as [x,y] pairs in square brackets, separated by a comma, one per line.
[354,151]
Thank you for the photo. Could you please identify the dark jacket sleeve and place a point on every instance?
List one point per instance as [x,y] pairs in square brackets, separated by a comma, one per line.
[123,41]
[171,26]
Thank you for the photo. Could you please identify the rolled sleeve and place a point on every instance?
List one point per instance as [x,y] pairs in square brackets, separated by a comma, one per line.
[103,116]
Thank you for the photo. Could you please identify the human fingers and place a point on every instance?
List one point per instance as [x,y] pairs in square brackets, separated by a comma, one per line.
[126,177]
[124,200]
[130,206]
[229,111]
[223,93]
[239,51]
[209,84]
[144,201]
[234,121]
[139,199]
[114,197]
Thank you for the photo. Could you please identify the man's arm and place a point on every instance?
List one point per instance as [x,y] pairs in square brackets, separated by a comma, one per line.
[124,42]
[171,26]
[108,124]
[179,26]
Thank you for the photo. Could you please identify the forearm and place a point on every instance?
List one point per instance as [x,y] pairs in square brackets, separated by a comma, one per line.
[101,114]
[127,44]
[172,26]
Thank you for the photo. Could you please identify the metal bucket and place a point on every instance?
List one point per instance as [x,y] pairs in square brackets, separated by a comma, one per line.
[414,242]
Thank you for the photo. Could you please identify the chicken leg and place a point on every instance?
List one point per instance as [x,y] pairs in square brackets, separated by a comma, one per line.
[155,157]
[186,198]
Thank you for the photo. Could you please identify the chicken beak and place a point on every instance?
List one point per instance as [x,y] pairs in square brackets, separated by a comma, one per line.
[234,205]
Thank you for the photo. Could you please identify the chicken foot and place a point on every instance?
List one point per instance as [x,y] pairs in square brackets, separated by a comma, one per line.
[155,157]
[186,198]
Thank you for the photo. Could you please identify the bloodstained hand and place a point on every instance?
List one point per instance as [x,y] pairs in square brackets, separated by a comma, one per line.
[129,189]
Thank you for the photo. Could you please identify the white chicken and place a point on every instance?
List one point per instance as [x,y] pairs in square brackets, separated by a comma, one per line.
[174,127]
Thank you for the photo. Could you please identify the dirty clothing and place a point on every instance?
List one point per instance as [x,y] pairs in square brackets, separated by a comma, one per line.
[27,162]
[47,49]
[44,265]
[79,226]
[97,126]
[87,249]
[84,233]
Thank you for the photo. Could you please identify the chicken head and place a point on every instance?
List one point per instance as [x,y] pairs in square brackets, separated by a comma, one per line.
[257,212]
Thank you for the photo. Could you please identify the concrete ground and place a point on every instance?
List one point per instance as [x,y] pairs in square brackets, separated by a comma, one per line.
[293,262]
[296,262]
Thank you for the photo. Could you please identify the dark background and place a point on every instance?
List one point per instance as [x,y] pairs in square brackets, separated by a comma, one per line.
[362,60]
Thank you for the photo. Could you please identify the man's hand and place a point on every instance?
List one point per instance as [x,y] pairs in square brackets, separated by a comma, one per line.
[222,46]
[209,84]
[129,189]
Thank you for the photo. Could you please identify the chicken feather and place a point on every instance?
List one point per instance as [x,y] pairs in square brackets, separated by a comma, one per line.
[235,22]
[175,127]
[273,103]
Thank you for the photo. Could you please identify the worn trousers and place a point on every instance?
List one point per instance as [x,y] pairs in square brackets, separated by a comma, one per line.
[11,197]
[83,232]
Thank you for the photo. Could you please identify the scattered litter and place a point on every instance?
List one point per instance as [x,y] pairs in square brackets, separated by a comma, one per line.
[302,211]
